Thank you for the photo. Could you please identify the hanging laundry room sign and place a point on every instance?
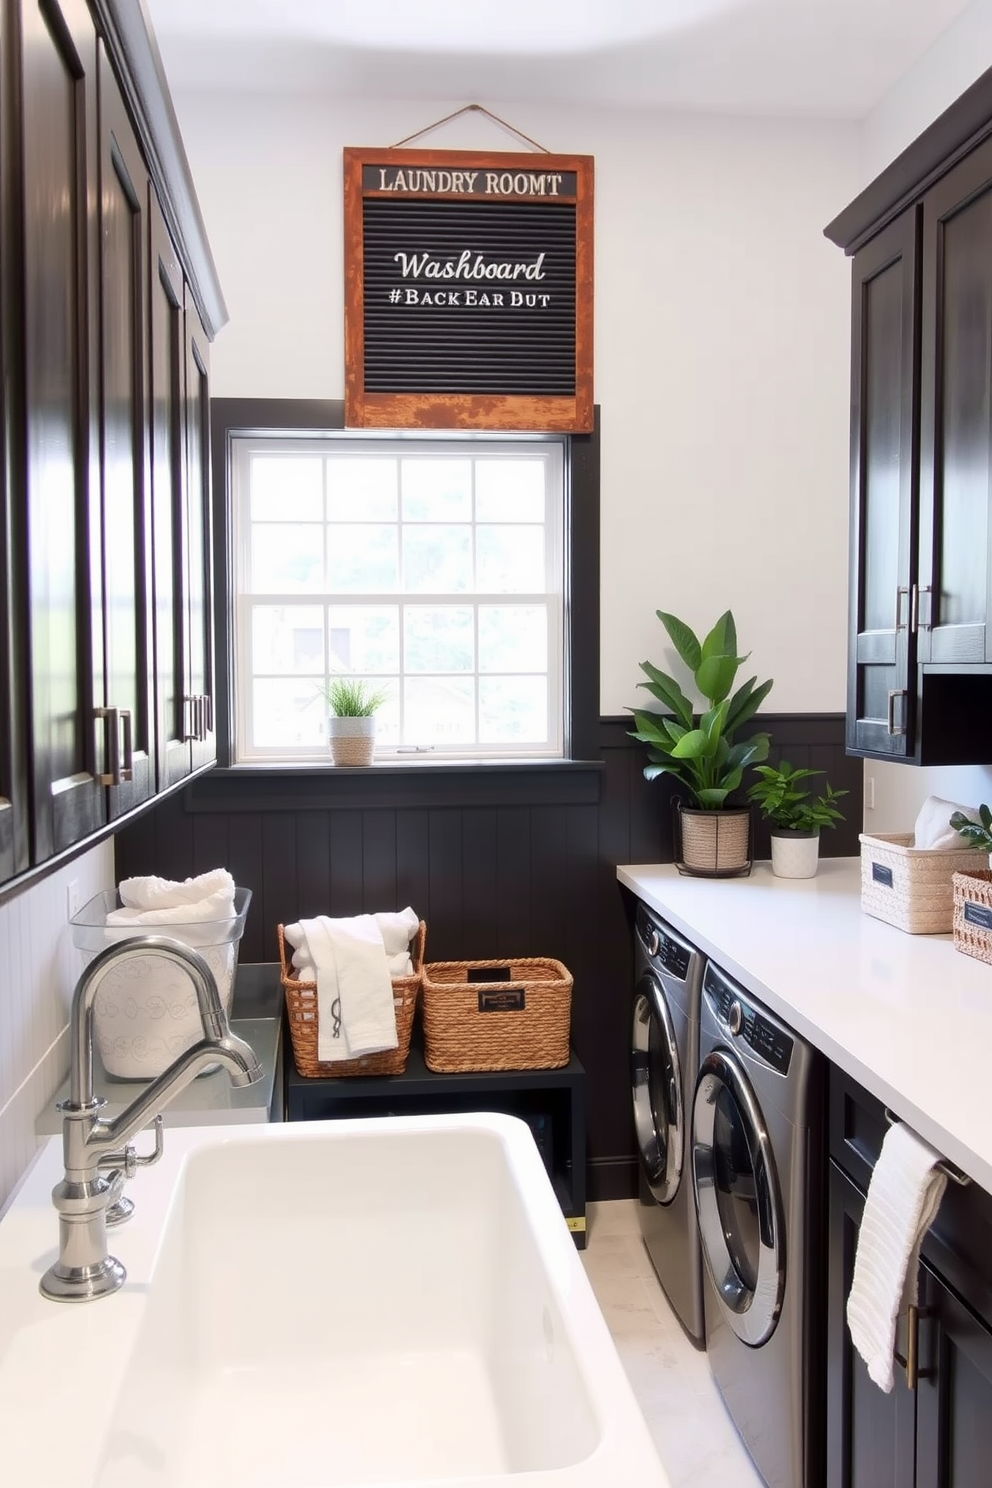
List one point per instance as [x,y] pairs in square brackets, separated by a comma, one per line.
[468,290]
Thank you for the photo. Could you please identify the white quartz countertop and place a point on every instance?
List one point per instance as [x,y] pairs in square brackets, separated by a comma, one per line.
[907,1016]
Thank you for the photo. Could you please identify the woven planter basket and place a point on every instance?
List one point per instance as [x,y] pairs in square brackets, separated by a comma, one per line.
[351,740]
[973,913]
[712,844]
[301,1010]
[518,1022]
[912,887]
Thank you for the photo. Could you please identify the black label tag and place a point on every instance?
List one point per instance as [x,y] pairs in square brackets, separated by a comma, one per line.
[881,874]
[506,1000]
[489,974]
[978,914]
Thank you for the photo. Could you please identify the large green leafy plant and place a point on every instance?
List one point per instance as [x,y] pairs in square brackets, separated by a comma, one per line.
[700,749]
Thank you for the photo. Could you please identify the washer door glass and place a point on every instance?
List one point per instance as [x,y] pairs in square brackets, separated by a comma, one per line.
[737,1199]
[656,1078]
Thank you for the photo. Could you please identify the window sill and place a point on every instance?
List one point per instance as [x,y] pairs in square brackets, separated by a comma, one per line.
[414,783]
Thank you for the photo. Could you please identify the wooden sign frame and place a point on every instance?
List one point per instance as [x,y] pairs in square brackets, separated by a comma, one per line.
[497,276]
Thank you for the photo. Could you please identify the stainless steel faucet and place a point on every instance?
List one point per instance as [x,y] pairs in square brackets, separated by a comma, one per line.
[97,1154]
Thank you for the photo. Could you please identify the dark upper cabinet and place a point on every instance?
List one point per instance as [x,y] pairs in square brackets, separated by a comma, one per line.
[106,658]
[884,480]
[934,1430]
[167,374]
[955,561]
[920,663]
[54,386]
[127,710]
[198,542]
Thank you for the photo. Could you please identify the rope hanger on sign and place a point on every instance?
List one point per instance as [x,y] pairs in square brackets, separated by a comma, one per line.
[469,108]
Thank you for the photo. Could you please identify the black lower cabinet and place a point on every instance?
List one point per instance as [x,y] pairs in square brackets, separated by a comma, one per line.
[954,1397]
[870,1435]
[937,1433]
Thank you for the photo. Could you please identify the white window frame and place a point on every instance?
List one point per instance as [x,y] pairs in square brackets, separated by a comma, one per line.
[464,445]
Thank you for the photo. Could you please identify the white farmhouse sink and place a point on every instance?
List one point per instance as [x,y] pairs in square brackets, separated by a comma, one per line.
[385,1302]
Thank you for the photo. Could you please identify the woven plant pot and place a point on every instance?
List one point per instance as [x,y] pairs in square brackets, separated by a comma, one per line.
[712,844]
[352,740]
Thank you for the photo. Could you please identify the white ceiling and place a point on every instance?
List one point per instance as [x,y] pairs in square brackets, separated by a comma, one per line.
[828,58]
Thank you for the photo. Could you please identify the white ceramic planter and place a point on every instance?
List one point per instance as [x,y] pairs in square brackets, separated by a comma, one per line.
[352,740]
[795,854]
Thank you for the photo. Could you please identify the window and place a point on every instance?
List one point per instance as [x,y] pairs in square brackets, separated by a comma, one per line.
[431,568]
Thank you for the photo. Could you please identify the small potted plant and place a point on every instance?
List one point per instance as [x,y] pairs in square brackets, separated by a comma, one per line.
[352,706]
[795,816]
[699,748]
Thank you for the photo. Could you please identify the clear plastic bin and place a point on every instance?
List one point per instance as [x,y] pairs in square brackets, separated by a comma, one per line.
[145,1012]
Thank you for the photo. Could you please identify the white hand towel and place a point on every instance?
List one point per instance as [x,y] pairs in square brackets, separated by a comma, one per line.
[933,829]
[903,1198]
[355,1013]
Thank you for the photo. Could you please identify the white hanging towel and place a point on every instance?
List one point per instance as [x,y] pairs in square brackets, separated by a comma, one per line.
[397,930]
[903,1198]
[355,1013]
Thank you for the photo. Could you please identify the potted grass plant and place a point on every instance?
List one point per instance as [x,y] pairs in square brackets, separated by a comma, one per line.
[794,816]
[698,745]
[352,705]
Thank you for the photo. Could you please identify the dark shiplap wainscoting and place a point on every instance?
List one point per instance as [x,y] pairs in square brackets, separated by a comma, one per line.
[511,861]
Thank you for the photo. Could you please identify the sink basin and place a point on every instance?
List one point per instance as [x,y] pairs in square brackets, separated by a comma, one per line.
[388,1301]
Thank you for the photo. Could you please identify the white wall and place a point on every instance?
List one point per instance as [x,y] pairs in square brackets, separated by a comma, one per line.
[38,969]
[722,346]
[940,76]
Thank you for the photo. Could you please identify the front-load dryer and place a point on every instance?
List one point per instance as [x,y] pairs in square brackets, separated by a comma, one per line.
[757,1132]
[664,1043]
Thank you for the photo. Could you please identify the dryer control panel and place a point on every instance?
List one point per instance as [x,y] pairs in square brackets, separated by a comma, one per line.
[766,1038]
[671,954]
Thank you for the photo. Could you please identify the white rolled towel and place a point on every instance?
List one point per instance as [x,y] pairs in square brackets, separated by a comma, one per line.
[933,828]
[202,894]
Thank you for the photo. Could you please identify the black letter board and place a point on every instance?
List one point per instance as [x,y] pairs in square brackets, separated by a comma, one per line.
[468,290]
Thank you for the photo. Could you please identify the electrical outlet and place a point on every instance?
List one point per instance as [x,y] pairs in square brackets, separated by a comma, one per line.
[72,897]
[869,793]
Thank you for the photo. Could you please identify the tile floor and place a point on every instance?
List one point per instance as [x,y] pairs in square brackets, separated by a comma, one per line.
[695,1437]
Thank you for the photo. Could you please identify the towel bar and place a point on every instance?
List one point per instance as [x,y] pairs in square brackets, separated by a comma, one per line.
[945,1167]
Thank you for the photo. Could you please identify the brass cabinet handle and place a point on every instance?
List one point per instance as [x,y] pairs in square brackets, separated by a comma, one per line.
[911,1362]
[111,745]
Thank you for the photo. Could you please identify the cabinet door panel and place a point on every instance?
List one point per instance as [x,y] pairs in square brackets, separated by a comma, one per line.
[199,540]
[125,520]
[167,356]
[870,1435]
[884,445]
[61,448]
[954,1448]
[956,454]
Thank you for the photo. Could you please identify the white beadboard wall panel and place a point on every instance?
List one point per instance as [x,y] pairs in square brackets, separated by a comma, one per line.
[39,967]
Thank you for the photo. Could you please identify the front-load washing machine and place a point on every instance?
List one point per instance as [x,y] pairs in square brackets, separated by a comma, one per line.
[757,1131]
[664,1042]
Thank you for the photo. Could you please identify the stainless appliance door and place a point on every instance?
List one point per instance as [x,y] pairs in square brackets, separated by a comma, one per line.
[656,1082]
[738,1199]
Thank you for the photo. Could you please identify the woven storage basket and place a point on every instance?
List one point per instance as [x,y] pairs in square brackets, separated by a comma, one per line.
[516,1021]
[973,913]
[301,1009]
[912,887]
